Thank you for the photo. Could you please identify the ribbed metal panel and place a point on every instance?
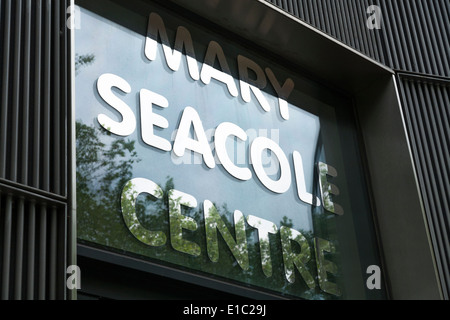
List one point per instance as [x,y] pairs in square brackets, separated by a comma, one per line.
[344,20]
[426,103]
[34,123]
[417,35]
[414,35]
[30,95]
[414,40]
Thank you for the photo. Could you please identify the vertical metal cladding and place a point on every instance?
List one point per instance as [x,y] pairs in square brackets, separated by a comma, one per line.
[426,104]
[34,121]
[343,20]
[31,119]
[414,35]
[414,40]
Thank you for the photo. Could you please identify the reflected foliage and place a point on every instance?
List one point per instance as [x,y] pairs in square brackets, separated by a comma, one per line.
[82,61]
[170,226]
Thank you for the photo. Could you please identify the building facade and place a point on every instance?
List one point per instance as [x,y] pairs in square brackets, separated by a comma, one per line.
[117,160]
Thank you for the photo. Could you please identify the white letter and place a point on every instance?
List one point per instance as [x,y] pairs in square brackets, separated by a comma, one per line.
[256,149]
[128,124]
[178,222]
[130,193]
[173,57]
[208,71]
[282,91]
[254,85]
[150,119]
[264,228]
[183,141]
[327,188]
[222,132]
[300,179]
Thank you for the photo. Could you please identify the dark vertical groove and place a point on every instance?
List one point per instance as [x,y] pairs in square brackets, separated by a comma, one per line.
[421,40]
[373,42]
[5,89]
[65,77]
[19,249]
[357,25]
[413,65]
[31,250]
[430,184]
[428,45]
[47,96]
[26,95]
[399,37]
[436,53]
[14,130]
[329,18]
[7,249]
[57,103]
[422,170]
[42,253]
[37,96]
[53,253]
[345,15]
[415,41]
[443,37]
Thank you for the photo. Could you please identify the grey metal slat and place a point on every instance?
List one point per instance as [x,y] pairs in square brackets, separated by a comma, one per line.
[394,38]
[411,44]
[422,169]
[53,253]
[401,31]
[26,95]
[334,16]
[5,88]
[7,249]
[31,247]
[435,24]
[433,188]
[56,170]
[444,17]
[329,18]
[47,92]
[37,95]
[422,56]
[18,263]
[14,130]
[320,13]
[378,49]
[42,280]
[325,10]
[316,14]
[437,160]
[358,14]
[343,30]
[429,45]
[350,28]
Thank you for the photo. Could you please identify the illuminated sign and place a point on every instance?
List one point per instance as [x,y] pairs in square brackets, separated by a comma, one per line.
[195,155]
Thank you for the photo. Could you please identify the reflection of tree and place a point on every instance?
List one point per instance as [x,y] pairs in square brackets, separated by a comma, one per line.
[174,230]
[102,171]
[82,61]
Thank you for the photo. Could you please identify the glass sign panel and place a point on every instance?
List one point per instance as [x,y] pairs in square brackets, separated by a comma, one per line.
[196,152]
